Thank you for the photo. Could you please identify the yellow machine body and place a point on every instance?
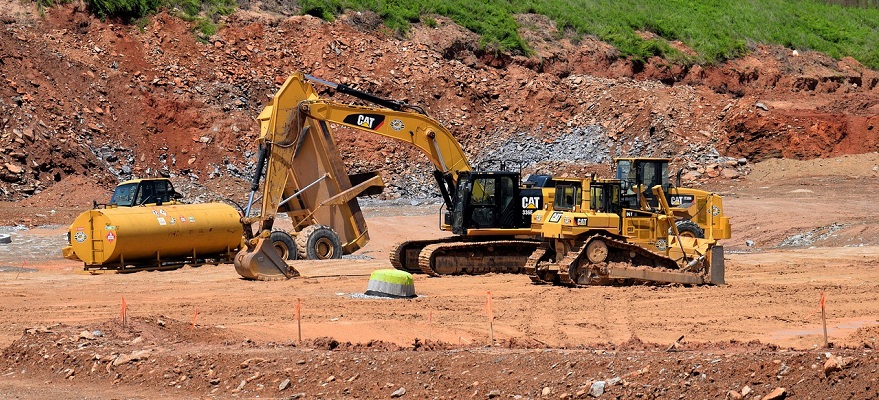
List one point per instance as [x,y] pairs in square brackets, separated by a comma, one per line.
[154,236]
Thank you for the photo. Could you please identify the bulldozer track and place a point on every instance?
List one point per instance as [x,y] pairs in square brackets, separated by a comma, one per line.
[533,260]
[476,257]
[623,258]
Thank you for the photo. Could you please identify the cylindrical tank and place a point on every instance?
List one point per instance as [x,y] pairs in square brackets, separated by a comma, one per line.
[153,235]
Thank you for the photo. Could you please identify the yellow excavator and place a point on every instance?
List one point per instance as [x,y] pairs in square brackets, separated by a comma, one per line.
[489,211]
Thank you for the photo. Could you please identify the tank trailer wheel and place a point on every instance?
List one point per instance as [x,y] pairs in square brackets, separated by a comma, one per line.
[284,244]
[689,229]
[318,242]
[596,251]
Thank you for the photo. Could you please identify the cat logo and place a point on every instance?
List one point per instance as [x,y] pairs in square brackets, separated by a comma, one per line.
[679,200]
[368,121]
[531,202]
[582,222]
[555,217]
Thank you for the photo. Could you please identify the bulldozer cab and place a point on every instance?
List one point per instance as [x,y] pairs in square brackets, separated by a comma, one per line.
[487,200]
[638,175]
[143,191]
[604,197]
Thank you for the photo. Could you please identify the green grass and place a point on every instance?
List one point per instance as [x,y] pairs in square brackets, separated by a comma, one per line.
[204,13]
[716,29]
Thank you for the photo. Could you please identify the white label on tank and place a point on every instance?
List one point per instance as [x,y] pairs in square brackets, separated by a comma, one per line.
[80,236]
[162,211]
[173,220]
[111,237]
[192,219]
[182,219]
[161,221]
[156,213]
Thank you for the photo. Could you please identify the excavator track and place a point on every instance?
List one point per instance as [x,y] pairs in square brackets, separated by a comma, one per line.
[476,257]
[404,256]
[615,261]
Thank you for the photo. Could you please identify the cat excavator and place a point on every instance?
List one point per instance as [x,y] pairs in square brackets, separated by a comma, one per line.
[488,211]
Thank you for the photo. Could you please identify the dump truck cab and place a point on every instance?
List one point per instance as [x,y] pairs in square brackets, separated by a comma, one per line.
[139,192]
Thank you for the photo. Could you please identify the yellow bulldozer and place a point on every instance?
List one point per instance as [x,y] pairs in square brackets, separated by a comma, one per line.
[593,235]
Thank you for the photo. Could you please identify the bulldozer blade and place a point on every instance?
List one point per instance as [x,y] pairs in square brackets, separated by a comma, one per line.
[262,262]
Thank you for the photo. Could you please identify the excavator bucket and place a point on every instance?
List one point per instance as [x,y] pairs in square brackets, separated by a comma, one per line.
[262,262]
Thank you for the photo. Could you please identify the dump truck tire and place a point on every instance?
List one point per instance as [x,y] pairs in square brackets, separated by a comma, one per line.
[284,243]
[318,242]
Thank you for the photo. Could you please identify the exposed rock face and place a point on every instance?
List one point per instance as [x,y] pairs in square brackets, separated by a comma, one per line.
[157,102]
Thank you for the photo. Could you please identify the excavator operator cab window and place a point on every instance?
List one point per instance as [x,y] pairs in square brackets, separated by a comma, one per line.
[483,192]
[566,197]
[488,201]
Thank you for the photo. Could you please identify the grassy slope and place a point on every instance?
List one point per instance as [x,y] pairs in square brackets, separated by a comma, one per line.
[715,29]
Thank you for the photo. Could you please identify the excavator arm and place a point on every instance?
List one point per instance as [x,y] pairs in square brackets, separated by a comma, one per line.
[418,130]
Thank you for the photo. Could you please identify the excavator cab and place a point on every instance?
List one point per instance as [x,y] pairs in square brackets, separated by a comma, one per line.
[486,200]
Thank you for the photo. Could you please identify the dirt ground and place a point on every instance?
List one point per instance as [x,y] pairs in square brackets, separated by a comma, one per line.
[204,332]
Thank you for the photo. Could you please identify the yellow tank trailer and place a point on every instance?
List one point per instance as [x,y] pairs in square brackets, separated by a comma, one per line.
[154,237]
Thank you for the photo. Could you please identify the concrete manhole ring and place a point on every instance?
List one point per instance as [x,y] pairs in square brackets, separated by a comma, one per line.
[5,239]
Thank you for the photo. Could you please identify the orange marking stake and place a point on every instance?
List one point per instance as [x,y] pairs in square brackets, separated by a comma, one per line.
[823,305]
[489,310]
[193,319]
[124,313]
[299,319]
